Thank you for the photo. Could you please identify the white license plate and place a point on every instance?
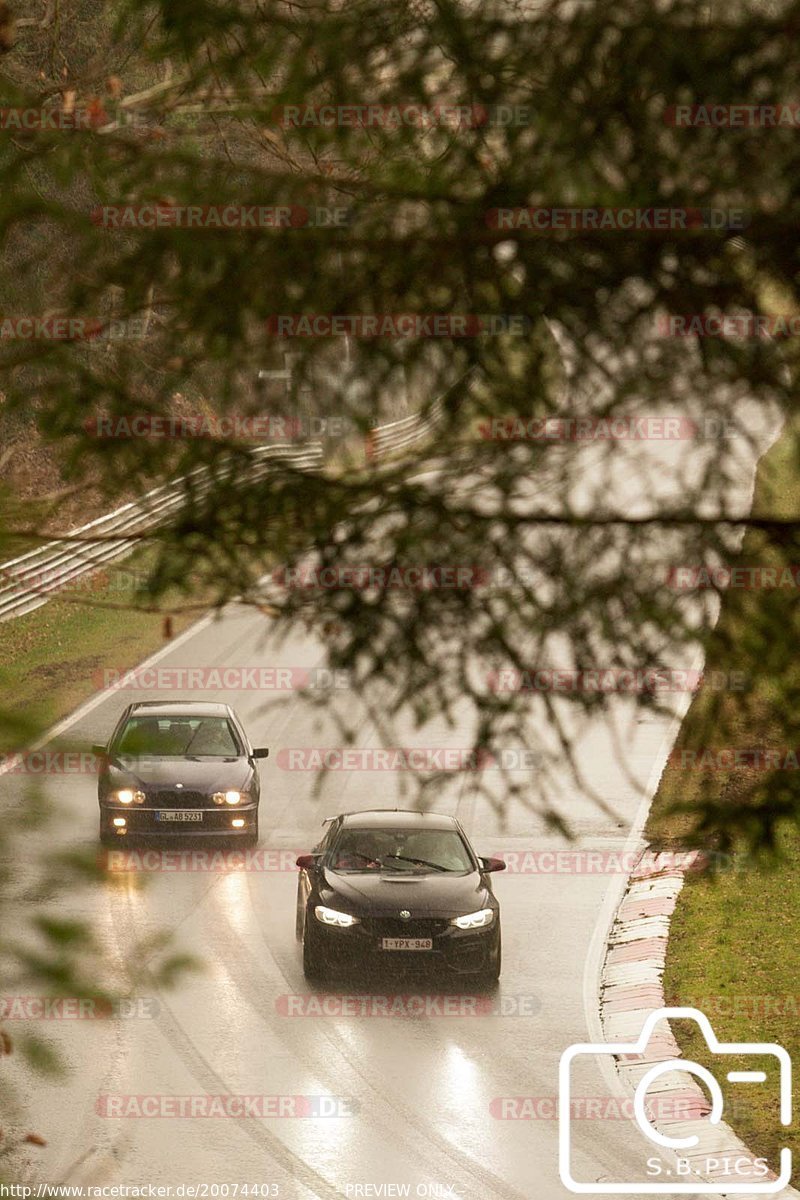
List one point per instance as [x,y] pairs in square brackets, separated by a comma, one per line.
[406,943]
[179,815]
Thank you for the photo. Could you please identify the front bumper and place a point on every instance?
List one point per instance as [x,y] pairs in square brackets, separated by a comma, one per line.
[142,821]
[454,951]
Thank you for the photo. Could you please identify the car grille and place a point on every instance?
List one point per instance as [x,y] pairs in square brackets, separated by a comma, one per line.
[395,927]
[178,799]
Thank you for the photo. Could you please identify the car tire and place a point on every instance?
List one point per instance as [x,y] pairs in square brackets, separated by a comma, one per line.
[313,967]
[252,839]
[108,839]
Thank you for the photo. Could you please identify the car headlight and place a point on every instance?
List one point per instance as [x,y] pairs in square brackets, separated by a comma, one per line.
[475,920]
[232,797]
[329,916]
[128,796]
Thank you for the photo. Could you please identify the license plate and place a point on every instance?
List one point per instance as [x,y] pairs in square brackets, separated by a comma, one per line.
[179,815]
[406,943]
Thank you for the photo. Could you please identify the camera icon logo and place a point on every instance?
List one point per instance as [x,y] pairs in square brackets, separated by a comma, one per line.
[671,1181]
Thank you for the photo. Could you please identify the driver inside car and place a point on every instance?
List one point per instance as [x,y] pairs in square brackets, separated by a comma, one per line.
[439,849]
[362,850]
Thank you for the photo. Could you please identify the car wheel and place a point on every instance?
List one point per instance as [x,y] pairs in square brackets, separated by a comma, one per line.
[252,839]
[313,965]
[300,915]
[108,839]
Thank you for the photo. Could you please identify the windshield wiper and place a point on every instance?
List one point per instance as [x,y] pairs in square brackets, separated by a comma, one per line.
[417,862]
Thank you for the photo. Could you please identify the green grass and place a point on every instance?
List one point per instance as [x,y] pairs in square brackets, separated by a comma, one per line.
[734,954]
[734,950]
[52,658]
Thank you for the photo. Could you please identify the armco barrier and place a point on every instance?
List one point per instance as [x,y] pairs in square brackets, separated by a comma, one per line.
[32,579]
[396,436]
[404,434]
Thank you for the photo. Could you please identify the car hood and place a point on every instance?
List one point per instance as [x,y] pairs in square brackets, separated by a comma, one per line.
[202,775]
[385,893]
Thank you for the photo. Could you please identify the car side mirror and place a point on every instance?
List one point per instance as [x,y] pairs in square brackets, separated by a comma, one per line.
[492,864]
[262,752]
[307,862]
[100,751]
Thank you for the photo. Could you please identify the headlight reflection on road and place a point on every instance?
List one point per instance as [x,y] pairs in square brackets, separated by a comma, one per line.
[232,895]
[458,1082]
[329,1143]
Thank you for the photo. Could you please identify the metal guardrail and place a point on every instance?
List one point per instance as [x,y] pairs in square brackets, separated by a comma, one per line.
[404,434]
[29,581]
[408,432]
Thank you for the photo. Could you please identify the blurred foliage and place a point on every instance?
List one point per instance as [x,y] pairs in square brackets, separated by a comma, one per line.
[49,951]
[183,104]
[704,798]
[562,105]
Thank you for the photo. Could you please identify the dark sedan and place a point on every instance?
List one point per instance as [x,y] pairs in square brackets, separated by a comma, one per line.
[399,888]
[178,768]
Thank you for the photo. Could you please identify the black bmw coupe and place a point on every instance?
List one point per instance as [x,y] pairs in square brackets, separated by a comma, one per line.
[177,768]
[398,887]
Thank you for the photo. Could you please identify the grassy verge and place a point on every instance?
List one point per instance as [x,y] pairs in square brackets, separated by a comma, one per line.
[52,659]
[734,951]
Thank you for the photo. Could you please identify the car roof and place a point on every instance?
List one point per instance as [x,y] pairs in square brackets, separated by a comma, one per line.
[174,708]
[393,818]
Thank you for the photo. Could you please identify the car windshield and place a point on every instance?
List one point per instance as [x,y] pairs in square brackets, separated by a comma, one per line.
[178,737]
[408,850]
